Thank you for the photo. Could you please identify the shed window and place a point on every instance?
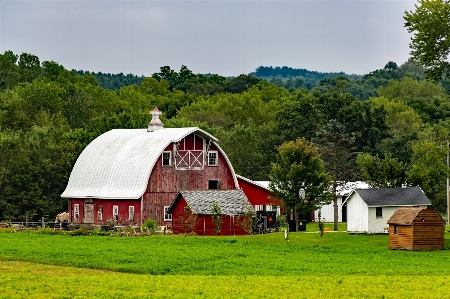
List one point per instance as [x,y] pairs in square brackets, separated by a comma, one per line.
[379,212]
[167,216]
[213,184]
[396,229]
[116,213]
[166,159]
[100,212]
[76,211]
[131,213]
[212,158]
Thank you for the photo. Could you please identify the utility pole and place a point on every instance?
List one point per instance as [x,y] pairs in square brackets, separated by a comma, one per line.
[448,200]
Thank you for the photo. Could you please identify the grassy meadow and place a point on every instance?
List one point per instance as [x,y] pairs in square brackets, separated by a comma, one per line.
[338,266]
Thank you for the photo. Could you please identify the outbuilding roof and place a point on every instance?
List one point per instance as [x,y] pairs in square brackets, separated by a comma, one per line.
[409,196]
[118,163]
[404,216]
[231,202]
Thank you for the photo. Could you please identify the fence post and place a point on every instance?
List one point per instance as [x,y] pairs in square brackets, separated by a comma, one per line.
[43,222]
[26,221]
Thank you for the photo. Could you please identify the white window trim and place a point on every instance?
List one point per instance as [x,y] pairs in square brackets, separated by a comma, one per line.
[170,158]
[218,184]
[100,212]
[76,211]
[167,216]
[216,160]
[115,212]
[130,213]
[376,216]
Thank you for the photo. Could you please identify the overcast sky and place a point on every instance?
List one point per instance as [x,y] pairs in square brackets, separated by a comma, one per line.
[228,38]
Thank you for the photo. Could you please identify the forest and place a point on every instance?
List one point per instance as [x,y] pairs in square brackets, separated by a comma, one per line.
[389,128]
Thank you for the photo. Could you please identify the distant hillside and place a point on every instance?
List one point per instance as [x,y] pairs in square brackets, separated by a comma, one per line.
[360,86]
[115,81]
[288,72]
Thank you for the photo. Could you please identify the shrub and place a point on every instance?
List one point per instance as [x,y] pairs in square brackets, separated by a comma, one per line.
[150,226]
[246,221]
[217,219]
[188,220]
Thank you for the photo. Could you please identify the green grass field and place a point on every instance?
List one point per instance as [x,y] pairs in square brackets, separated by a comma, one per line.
[339,266]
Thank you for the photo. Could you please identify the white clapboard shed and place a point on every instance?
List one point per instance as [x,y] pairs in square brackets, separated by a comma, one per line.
[368,210]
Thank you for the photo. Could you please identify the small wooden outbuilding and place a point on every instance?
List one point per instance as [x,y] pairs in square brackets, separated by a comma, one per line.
[416,229]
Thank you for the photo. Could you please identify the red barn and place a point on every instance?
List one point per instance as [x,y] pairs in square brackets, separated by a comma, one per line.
[233,204]
[130,175]
[259,195]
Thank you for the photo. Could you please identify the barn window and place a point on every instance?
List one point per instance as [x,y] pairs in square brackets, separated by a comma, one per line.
[76,211]
[100,212]
[166,159]
[212,158]
[396,229]
[167,216]
[213,184]
[379,212]
[131,213]
[115,213]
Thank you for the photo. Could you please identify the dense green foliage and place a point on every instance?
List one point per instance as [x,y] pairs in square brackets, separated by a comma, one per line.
[115,81]
[430,44]
[49,114]
[298,166]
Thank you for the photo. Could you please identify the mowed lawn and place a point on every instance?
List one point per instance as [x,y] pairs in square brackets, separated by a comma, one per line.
[338,266]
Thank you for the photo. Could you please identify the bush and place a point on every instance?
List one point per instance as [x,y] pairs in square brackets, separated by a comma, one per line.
[150,226]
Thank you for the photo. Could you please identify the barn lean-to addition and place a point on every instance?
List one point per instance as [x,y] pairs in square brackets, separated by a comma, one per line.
[233,204]
[259,195]
[416,229]
[130,175]
[368,210]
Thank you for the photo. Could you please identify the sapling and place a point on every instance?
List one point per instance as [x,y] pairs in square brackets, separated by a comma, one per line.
[321,226]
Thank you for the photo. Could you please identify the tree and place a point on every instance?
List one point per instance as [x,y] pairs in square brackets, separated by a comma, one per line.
[246,220]
[339,158]
[385,172]
[217,219]
[298,166]
[430,44]
[188,220]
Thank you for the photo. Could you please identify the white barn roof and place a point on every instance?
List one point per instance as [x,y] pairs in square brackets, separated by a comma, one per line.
[118,163]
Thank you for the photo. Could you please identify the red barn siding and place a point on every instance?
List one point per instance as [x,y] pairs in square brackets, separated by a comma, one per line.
[107,213]
[257,195]
[205,226]
[165,181]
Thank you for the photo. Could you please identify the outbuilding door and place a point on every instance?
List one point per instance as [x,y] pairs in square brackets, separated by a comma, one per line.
[88,212]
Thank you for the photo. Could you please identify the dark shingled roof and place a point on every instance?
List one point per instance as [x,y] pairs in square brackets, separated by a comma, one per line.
[404,216]
[231,202]
[410,196]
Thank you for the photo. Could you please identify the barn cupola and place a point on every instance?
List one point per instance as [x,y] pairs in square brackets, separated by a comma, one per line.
[155,123]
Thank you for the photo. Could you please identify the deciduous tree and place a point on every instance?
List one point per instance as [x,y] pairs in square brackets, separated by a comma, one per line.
[430,44]
[299,166]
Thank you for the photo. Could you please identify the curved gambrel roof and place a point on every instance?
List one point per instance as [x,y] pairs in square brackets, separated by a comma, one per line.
[118,163]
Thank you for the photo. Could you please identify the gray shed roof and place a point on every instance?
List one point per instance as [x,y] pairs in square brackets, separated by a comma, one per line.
[409,196]
[231,202]
[118,163]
